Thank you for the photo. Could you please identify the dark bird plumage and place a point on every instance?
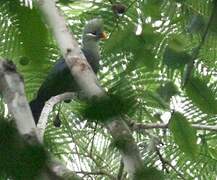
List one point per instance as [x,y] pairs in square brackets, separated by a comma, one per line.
[59,79]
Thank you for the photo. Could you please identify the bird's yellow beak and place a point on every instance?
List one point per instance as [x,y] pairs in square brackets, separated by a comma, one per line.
[103,36]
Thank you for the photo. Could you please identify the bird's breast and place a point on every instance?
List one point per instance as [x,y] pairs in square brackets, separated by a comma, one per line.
[92,57]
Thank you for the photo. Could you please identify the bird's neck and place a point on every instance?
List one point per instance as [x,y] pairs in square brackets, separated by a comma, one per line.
[91,51]
[91,46]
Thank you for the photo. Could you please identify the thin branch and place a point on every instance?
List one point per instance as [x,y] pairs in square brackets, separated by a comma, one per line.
[93,138]
[205,34]
[190,65]
[211,18]
[41,126]
[121,170]
[140,126]
[161,159]
[166,162]
[96,173]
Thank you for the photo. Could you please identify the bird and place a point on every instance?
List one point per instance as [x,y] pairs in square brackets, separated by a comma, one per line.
[59,79]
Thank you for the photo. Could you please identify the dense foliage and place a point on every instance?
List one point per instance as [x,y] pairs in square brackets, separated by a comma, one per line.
[159,66]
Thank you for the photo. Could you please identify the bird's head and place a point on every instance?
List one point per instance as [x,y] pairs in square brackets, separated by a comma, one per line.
[93,30]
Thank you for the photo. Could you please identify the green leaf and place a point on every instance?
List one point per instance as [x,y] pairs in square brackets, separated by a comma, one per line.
[103,109]
[149,173]
[154,100]
[33,34]
[201,95]
[65,2]
[175,59]
[175,55]
[151,8]
[196,24]
[177,43]
[167,91]
[184,134]
[213,153]
[140,46]
[146,58]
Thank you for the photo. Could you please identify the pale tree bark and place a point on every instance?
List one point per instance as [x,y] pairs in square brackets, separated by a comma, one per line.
[12,89]
[87,80]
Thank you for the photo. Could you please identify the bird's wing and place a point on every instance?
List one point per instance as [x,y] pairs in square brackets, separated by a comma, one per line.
[59,80]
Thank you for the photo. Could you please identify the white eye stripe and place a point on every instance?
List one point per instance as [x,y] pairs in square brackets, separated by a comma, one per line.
[91,34]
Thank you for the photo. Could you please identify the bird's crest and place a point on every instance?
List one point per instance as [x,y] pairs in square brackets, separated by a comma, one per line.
[92,25]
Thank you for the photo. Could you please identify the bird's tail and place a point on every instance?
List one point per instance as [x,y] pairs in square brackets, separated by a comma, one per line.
[36,106]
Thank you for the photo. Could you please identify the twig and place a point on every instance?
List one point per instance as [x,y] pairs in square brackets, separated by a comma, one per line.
[161,159]
[93,138]
[101,172]
[165,162]
[121,170]
[140,126]
[208,25]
